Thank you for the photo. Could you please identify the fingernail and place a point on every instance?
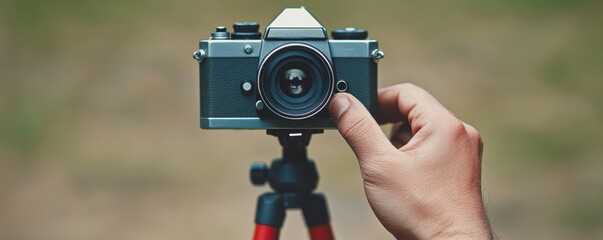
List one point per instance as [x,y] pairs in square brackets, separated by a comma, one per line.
[339,105]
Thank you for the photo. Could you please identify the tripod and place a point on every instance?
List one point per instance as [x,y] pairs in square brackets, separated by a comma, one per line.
[293,179]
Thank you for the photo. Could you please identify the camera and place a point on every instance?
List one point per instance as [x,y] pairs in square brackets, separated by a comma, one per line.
[285,79]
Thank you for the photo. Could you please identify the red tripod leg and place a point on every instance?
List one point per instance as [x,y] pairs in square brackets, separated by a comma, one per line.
[269,216]
[321,232]
[316,215]
[265,232]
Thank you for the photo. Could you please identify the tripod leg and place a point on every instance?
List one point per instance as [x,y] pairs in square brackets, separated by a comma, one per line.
[265,232]
[269,216]
[316,215]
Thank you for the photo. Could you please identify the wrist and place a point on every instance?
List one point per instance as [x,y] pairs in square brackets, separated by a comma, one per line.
[467,222]
[468,231]
[464,226]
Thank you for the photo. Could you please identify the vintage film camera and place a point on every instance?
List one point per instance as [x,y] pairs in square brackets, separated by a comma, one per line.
[286,79]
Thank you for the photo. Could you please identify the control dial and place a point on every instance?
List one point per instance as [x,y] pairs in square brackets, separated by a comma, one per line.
[349,34]
[246,30]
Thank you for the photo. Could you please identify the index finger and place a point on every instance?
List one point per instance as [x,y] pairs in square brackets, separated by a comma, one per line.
[407,102]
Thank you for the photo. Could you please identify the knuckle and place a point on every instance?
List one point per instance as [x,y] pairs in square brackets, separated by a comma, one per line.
[402,87]
[475,139]
[457,128]
[407,86]
[473,134]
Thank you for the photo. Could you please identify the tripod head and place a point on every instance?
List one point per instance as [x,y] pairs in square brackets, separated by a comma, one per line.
[294,172]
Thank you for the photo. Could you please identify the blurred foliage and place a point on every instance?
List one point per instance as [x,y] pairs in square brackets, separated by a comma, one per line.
[21,129]
[35,21]
[98,115]
[529,7]
[548,147]
[586,215]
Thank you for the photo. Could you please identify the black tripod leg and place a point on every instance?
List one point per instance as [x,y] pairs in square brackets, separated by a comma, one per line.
[269,216]
[316,215]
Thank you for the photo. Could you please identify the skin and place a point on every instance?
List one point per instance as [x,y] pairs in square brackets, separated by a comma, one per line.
[424,182]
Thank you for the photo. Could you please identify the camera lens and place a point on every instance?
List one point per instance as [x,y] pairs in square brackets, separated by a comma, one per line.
[295,81]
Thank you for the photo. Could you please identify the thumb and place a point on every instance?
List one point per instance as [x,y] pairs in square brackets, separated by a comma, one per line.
[357,126]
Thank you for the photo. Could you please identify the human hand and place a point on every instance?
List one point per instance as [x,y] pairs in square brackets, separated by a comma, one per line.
[425,182]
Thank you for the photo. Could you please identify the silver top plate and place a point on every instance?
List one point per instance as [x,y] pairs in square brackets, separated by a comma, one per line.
[339,48]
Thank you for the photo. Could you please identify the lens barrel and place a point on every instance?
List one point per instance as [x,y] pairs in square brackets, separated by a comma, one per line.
[295,81]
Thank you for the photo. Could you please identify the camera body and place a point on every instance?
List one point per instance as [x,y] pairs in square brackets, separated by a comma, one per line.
[286,79]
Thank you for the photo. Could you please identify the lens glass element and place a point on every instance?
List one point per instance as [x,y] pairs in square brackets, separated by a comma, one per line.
[295,83]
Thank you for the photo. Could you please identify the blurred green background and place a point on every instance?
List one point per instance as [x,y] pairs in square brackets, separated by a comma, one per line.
[99,134]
